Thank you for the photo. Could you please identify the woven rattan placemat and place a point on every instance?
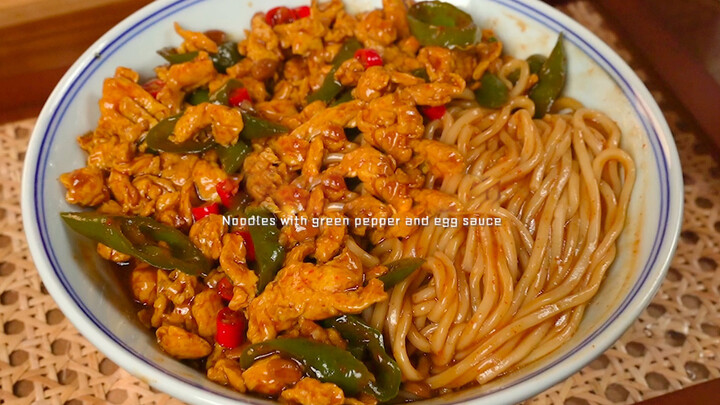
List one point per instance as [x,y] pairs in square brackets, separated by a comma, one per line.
[674,343]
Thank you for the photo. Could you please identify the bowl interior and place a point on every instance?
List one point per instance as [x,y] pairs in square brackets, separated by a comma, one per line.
[88,291]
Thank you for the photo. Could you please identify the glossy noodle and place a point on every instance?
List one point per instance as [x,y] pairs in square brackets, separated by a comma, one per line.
[492,299]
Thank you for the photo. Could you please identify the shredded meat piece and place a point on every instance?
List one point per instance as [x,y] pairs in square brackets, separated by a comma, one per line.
[182,344]
[401,58]
[195,41]
[301,36]
[375,30]
[205,308]
[313,292]
[377,172]
[330,240]
[341,114]
[442,159]
[310,391]
[282,110]
[432,202]
[175,209]
[85,186]
[313,161]
[175,291]
[126,109]
[291,200]
[233,263]
[124,192]
[143,283]
[436,93]
[488,53]
[349,72]
[264,173]
[438,61]
[313,331]
[105,151]
[151,188]
[177,168]
[227,372]
[366,207]
[226,123]
[343,27]
[390,123]
[271,375]
[334,188]
[377,81]
[372,84]
[206,176]
[207,235]
[140,165]
[261,42]
[291,150]
[182,78]
[396,12]
[111,254]
[179,287]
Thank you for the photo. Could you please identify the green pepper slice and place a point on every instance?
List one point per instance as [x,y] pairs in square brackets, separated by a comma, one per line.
[331,87]
[325,362]
[363,338]
[441,24]
[399,270]
[421,73]
[198,96]
[344,97]
[551,80]
[535,62]
[158,139]
[226,56]
[139,237]
[492,93]
[233,156]
[255,128]
[170,55]
[269,253]
[238,204]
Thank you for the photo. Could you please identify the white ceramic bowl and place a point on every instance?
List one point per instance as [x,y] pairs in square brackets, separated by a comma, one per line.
[88,293]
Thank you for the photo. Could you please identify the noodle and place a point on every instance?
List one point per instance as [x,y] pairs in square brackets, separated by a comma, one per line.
[492,299]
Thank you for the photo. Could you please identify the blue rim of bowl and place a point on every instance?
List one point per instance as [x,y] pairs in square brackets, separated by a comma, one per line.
[92,64]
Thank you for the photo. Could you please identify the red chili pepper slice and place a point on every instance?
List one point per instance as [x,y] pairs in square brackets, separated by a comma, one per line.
[231,326]
[225,289]
[368,57]
[301,12]
[433,113]
[202,211]
[279,15]
[238,95]
[249,245]
[227,189]
[153,86]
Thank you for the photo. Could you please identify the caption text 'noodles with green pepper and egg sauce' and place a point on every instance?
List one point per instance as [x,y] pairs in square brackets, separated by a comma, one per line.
[394,115]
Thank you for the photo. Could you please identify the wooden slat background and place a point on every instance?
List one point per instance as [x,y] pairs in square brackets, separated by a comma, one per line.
[40,39]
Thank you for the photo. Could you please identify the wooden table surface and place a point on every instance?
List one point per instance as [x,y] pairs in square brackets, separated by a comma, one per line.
[40,39]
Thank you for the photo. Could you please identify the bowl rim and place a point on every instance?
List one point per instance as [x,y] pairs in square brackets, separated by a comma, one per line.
[646,111]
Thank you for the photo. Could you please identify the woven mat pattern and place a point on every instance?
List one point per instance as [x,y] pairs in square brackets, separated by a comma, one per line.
[674,343]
